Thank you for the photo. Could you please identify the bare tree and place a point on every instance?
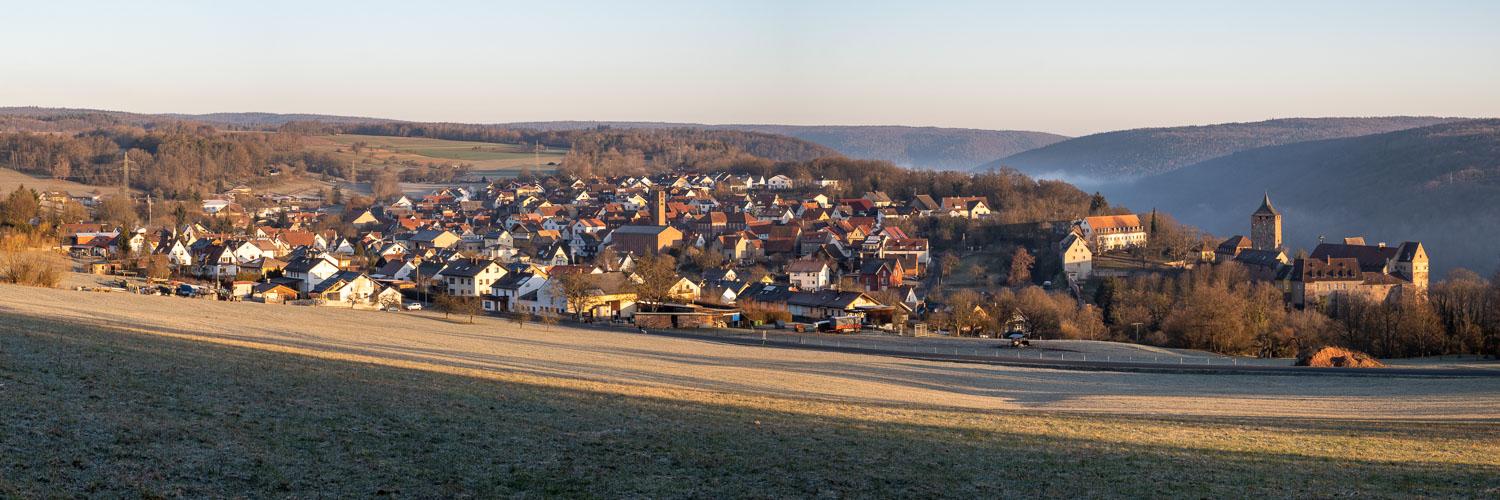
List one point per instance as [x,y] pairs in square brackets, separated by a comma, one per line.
[444,303]
[580,290]
[966,312]
[654,276]
[391,301]
[607,259]
[948,264]
[157,267]
[1020,267]
[465,306]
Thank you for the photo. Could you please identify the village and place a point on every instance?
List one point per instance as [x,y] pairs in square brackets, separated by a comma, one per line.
[679,250]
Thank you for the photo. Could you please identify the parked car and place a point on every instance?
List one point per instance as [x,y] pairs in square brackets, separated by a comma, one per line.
[414,306]
[393,309]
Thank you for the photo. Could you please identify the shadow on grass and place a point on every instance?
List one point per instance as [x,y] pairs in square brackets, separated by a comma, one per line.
[107,412]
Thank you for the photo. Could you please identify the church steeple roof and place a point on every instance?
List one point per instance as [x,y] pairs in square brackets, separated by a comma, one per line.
[1266,208]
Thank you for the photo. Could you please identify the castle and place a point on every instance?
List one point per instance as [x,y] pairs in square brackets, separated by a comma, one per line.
[1265,226]
[1332,271]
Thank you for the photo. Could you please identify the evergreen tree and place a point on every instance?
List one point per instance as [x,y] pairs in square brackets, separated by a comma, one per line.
[122,242]
[1104,297]
[180,214]
[1098,204]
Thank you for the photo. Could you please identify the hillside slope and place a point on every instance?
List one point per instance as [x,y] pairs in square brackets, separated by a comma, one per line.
[125,395]
[1437,184]
[1140,152]
[921,147]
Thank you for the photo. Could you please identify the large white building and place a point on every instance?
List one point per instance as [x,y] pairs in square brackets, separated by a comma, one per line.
[1109,232]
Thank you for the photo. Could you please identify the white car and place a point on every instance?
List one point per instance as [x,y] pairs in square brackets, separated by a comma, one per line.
[414,306]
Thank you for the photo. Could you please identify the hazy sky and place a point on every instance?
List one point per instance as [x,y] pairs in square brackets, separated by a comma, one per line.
[1069,68]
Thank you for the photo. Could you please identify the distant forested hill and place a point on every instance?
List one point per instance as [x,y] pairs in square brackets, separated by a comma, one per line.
[270,119]
[920,147]
[1134,153]
[1438,184]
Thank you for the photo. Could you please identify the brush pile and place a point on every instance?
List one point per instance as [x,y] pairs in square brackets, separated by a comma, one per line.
[1333,357]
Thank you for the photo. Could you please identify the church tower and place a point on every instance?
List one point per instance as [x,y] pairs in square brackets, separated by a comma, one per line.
[659,208]
[1265,227]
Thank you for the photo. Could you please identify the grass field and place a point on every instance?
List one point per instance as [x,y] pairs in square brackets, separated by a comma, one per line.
[489,159]
[10,179]
[197,407]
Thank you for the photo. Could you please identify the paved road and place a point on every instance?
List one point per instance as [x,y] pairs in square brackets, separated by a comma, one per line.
[1087,365]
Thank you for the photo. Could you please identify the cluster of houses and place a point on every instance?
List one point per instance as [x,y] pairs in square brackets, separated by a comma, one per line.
[506,245]
[1333,270]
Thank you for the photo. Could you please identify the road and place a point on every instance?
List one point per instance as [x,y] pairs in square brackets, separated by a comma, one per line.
[1003,356]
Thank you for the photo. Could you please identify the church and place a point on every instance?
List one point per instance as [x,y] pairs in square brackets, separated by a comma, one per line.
[653,238]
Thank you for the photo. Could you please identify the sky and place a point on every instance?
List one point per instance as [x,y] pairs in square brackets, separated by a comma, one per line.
[1071,68]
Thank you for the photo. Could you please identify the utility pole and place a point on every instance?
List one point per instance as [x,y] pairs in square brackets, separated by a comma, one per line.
[125,182]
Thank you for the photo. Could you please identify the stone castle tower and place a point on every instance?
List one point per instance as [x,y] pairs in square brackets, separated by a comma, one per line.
[1265,227]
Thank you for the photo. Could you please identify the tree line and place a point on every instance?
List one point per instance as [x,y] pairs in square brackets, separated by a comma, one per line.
[1218,308]
[173,162]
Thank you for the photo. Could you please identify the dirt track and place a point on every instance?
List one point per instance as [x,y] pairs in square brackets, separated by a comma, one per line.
[626,357]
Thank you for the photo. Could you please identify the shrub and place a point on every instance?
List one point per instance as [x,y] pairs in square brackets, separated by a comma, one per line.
[27,259]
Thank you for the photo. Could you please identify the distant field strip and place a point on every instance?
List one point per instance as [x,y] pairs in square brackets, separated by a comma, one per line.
[489,159]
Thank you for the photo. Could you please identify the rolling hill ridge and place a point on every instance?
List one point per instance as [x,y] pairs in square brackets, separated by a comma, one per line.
[934,148]
[1438,184]
[1136,153]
